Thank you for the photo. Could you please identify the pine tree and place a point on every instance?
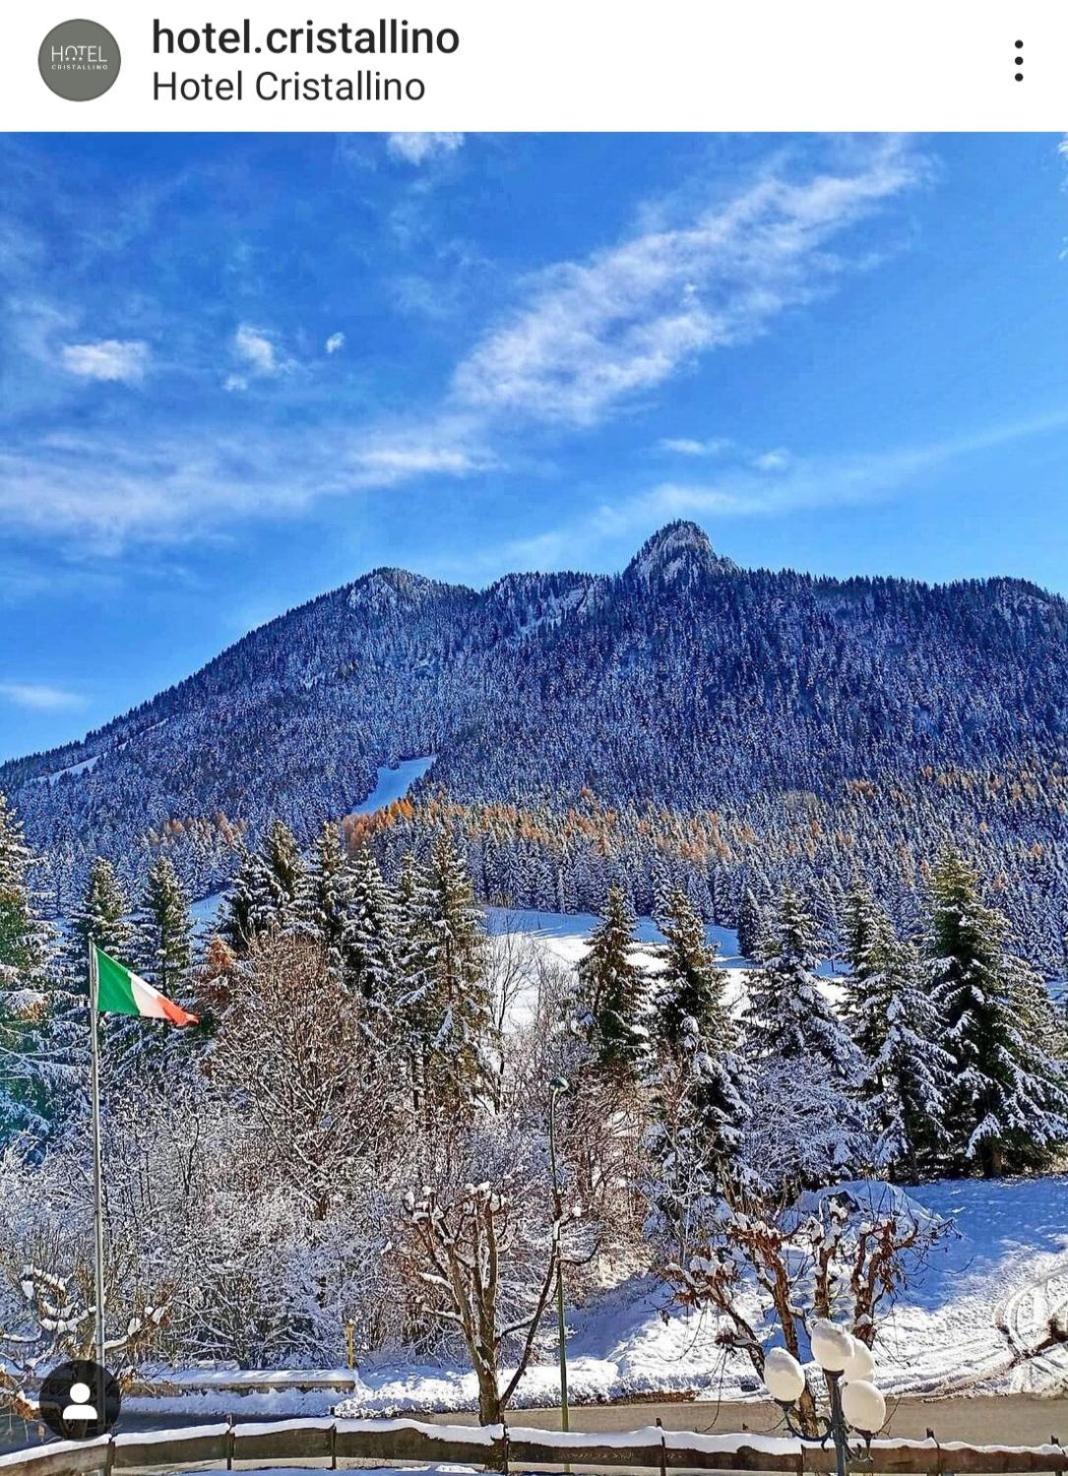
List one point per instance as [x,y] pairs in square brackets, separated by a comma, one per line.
[450,1015]
[165,930]
[371,942]
[752,926]
[867,941]
[787,1017]
[908,1072]
[103,916]
[1009,1097]
[268,889]
[326,902]
[690,989]
[25,951]
[614,993]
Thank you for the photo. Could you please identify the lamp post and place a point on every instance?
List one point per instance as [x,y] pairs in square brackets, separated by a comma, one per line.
[855,1402]
[557,1087]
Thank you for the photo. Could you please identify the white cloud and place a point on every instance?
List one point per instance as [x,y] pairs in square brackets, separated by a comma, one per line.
[772,461]
[685,446]
[596,333]
[421,148]
[335,343]
[115,359]
[234,383]
[386,464]
[39,696]
[256,348]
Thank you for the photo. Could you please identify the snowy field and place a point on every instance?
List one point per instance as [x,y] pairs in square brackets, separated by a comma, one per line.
[984,1295]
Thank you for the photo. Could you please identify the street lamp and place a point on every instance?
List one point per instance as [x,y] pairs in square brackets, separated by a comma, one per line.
[856,1404]
[557,1087]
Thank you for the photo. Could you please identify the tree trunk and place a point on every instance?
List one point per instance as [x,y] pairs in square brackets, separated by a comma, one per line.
[489,1396]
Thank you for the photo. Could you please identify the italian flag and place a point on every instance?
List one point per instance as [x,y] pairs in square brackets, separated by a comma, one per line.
[119,991]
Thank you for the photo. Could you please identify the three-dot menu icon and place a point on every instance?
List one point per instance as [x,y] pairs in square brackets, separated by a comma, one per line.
[1019,60]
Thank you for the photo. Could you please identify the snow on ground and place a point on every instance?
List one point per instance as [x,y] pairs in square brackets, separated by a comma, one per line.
[394,783]
[86,766]
[1006,1269]
[563,938]
[1008,1266]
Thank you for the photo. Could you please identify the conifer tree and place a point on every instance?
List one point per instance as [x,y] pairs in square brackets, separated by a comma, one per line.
[372,941]
[165,930]
[1009,1098]
[103,916]
[867,941]
[752,926]
[908,1072]
[451,1015]
[787,1017]
[25,951]
[614,992]
[690,989]
[268,890]
[326,903]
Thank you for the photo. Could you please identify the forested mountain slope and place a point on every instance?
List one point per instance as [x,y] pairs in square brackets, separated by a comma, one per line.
[684,683]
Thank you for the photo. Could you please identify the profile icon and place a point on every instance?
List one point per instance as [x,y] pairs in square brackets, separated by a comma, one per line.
[79,1407]
[79,1400]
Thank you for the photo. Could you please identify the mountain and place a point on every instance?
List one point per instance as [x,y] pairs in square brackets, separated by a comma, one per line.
[685,683]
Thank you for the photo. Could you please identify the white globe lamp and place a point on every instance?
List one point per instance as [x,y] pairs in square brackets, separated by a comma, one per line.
[860,1364]
[863,1406]
[784,1376]
[832,1346]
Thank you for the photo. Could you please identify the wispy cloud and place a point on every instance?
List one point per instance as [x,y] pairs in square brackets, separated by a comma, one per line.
[583,341]
[39,696]
[257,350]
[421,148]
[748,492]
[595,334]
[114,359]
[772,461]
[687,446]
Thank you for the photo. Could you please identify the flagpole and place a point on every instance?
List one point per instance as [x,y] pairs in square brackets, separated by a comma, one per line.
[98,1178]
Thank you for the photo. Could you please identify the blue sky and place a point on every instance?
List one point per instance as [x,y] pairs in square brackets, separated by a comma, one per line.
[239,370]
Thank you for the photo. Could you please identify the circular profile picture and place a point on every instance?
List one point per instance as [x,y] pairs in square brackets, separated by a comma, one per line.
[79,1400]
[79,60]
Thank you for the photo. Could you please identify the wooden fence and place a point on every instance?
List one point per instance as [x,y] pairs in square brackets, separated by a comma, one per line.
[505,1448]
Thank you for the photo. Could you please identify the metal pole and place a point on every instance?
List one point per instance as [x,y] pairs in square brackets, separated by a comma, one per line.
[839,1428]
[565,1423]
[98,1177]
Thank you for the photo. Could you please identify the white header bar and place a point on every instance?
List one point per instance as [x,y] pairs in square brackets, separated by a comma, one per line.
[308,65]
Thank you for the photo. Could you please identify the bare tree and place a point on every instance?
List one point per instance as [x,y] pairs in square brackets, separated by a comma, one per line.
[290,1043]
[834,1253]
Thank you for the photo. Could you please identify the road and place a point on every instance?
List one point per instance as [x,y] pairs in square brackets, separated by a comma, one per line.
[1009,1419]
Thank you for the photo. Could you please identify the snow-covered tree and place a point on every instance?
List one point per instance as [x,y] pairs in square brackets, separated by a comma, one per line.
[1009,1097]
[787,1017]
[326,902]
[752,926]
[165,930]
[372,941]
[689,991]
[613,993]
[26,946]
[448,1013]
[908,1072]
[103,916]
[267,891]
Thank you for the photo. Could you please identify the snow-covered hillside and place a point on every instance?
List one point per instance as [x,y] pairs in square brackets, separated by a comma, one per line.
[771,713]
